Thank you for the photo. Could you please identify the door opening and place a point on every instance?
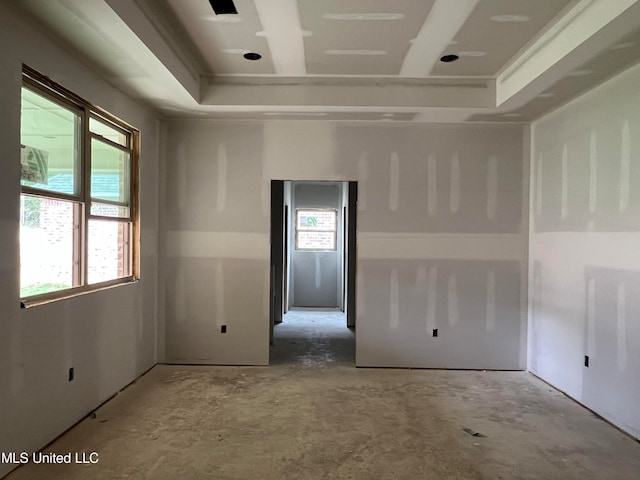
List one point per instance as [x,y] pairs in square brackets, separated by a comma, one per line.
[313,257]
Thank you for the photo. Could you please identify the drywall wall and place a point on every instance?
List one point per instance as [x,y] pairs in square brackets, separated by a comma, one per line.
[216,223]
[316,277]
[441,237]
[108,337]
[584,250]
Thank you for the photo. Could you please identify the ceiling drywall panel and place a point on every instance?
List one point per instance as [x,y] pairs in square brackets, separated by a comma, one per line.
[223,39]
[343,42]
[499,41]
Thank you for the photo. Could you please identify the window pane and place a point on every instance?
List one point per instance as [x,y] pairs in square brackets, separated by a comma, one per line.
[46,245]
[109,173]
[316,219]
[316,229]
[111,133]
[49,134]
[106,210]
[109,254]
[310,240]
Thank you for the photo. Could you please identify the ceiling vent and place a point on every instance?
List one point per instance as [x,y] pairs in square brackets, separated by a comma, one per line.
[223,6]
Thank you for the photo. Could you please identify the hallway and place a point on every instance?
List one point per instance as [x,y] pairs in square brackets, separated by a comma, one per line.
[313,337]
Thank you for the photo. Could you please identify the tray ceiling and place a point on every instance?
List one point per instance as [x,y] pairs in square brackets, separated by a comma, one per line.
[365,60]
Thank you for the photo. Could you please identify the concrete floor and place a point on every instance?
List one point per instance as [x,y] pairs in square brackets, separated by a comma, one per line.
[313,338]
[312,415]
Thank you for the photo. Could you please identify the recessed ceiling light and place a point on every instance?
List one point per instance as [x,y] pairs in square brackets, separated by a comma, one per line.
[449,58]
[252,56]
[363,16]
[472,53]
[579,73]
[620,46]
[222,18]
[512,115]
[387,114]
[356,52]
[547,95]
[236,51]
[510,18]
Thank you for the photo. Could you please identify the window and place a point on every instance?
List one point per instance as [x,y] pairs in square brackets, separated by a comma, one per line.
[316,229]
[78,202]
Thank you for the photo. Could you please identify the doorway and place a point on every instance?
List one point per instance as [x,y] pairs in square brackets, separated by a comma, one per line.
[313,270]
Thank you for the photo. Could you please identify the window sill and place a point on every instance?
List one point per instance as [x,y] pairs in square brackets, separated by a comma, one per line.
[52,297]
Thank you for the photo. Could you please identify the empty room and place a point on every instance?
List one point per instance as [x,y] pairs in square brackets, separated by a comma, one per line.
[299,239]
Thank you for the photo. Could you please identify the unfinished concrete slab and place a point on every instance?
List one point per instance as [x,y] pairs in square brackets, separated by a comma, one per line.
[313,337]
[312,415]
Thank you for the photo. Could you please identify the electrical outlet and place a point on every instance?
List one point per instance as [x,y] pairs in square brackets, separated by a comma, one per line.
[71,374]
[223,329]
[586,360]
[435,332]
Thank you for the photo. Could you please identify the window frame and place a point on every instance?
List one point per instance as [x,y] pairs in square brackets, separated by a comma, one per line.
[53,92]
[334,231]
